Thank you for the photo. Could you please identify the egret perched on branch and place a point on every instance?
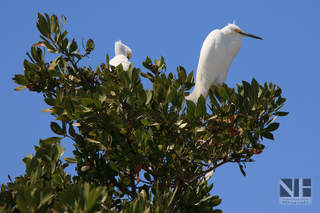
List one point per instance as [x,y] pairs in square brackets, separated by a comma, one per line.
[123,54]
[217,52]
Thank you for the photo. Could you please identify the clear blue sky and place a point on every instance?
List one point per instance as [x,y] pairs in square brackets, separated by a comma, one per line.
[288,57]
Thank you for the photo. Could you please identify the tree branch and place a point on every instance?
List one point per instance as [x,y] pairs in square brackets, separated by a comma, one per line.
[122,188]
[179,185]
[206,171]
[132,184]
[205,142]
[145,168]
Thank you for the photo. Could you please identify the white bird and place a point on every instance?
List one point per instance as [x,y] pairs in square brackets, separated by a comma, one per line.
[123,54]
[217,52]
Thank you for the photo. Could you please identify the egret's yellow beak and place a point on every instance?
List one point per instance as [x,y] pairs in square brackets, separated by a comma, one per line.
[129,55]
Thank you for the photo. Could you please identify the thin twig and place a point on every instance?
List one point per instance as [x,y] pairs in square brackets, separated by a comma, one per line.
[205,142]
[121,187]
[207,170]
[145,168]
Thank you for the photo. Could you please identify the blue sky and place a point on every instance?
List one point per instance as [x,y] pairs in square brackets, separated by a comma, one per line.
[288,57]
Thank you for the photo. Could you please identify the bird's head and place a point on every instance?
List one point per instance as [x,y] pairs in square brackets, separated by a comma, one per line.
[233,30]
[122,49]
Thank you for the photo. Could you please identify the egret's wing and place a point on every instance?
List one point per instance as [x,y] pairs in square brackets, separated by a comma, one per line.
[212,62]
[115,61]
[213,59]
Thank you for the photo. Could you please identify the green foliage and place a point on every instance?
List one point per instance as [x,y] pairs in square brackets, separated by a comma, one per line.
[136,149]
[39,188]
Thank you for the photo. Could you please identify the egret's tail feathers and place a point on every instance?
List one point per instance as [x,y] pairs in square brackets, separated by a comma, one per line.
[193,97]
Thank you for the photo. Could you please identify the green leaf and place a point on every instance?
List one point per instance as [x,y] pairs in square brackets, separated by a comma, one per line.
[149,76]
[172,197]
[92,141]
[194,156]
[107,60]
[58,179]
[92,199]
[215,201]
[190,78]
[46,195]
[43,26]
[254,89]
[60,38]
[21,202]
[191,106]
[278,92]
[155,114]
[57,129]
[129,73]
[64,45]
[72,132]
[146,122]
[64,118]
[182,74]
[267,135]
[70,160]
[201,107]
[149,96]
[216,93]
[242,170]
[202,103]
[9,177]
[20,79]
[85,168]
[147,62]
[281,113]
[223,93]
[272,127]
[47,44]
[58,110]
[208,175]
[73,46]
[86,101]
[147,176]
[54,23]
[52,140]
[53,51]
[90,45]
[19,88]
[214,101]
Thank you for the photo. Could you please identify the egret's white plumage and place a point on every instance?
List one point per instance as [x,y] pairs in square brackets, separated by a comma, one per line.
[123,54]
[217,52]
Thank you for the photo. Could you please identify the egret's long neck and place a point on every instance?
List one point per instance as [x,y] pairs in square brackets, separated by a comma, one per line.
[234,44]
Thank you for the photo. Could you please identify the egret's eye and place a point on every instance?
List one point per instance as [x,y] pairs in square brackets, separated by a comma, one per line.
[237,31]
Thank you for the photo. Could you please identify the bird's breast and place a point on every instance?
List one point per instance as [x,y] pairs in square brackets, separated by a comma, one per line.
[234,45]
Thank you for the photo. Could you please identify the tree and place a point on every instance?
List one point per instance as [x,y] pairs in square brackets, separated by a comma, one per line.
[136,149]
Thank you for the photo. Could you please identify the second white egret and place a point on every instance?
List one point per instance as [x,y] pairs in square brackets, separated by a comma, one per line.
[217,52]
[123,54]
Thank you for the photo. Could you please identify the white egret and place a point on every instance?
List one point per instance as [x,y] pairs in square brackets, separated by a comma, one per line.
[217,52]
[123,54]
